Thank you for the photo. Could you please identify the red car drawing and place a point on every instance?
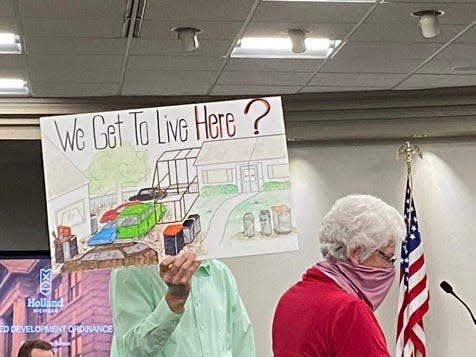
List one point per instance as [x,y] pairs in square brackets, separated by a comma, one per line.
[110,215]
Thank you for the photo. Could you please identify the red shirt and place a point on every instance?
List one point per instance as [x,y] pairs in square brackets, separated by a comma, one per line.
[316,318]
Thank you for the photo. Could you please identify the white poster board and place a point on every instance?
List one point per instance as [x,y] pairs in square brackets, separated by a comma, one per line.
[128,187]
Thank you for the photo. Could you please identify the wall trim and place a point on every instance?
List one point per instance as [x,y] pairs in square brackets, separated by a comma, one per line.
[309,117]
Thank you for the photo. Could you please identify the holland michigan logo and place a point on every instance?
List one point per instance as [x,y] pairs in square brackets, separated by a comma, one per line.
[43,304]
[45,281]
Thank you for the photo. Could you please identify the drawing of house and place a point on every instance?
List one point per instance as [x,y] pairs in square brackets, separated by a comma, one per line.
[247,163]
[67,190]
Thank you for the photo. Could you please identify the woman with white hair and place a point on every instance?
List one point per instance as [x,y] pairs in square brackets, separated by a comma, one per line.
[329,313]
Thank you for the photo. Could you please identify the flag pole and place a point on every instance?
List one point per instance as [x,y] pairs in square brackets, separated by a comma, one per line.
[408,151]
[410,334]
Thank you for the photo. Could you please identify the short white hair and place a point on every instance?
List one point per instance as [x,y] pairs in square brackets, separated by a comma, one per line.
[361,222]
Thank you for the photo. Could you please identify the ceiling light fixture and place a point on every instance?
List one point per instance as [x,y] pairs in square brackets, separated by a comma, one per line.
[428,22]
[188,37]
[10,43]
[297,38]
[13,86]
[283,47]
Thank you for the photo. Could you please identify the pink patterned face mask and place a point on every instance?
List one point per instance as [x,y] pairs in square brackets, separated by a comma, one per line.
[370,284]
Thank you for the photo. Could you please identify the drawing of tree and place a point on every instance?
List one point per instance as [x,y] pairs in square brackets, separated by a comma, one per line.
[113,169]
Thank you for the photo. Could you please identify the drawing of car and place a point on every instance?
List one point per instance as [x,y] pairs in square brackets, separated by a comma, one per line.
[111,215]
[137,220]
[149,193]
[105,235]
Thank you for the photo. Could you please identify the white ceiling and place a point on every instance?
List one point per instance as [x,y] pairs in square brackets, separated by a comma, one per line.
[75,48]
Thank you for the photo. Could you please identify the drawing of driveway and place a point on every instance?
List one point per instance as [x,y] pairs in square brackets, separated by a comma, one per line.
[216,228]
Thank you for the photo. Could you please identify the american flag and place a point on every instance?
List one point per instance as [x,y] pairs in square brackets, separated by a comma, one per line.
[413,295]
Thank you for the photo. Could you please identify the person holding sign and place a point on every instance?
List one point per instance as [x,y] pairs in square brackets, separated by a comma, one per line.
[330,311]
[192,309]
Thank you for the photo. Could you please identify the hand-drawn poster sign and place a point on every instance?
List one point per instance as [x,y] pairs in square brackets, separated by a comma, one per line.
[127,187]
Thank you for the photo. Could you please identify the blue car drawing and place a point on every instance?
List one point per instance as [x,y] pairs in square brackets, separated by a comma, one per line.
[105,235]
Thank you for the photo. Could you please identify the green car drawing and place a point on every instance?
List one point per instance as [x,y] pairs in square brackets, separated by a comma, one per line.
[137,220]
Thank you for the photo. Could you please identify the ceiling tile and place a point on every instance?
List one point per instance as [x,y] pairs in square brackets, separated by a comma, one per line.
[7,8]
[387,51]
[8,24]
[273,65]
[436,1]
[210,30]
[314,89]
[365,65]
[394,12]
[62,45]
[393,32]
[468,37]
[53,62]
[91,75]
[459,51]
[168,47]
[13,72]
[173,88]
[310,12]
[212,10]
[263,78]
[68,89]
[72,8]
[64,27]
[168,82]
[444,66]
[438,81]
[330,30]
[191,77]
[161,63]
[12,61]
[220,89]
[355,80]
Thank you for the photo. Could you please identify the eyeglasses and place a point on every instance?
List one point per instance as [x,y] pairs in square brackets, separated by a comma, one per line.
[388,259]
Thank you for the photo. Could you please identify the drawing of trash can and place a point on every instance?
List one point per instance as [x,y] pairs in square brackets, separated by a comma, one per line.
[188,230]
[93,220]
[169,245]
[66,244]
[179,241]
[197,227]
[248,224]
[282,219]
[265,222]
[173,239]
[73,246]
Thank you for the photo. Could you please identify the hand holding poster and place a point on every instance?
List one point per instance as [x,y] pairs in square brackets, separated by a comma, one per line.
[127,187]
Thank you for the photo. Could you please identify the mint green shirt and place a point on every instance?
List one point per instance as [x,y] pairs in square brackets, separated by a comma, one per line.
[214,322]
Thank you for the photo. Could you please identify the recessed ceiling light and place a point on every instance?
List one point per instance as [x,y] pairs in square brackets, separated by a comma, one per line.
[13,86]
[10,43]
[188,37]
[281,47]
[428,22]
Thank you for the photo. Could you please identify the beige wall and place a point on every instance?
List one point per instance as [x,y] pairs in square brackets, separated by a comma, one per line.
[445,197]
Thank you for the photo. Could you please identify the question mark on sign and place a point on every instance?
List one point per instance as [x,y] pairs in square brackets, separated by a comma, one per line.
[267,109]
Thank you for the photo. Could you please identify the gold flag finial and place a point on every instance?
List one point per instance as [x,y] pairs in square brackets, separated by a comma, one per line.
[407,151]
